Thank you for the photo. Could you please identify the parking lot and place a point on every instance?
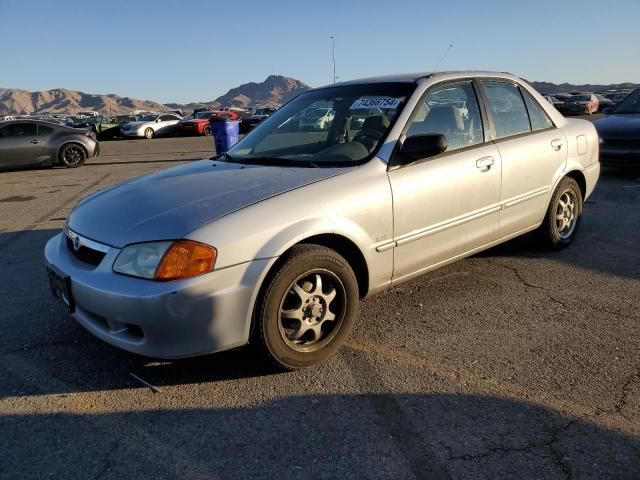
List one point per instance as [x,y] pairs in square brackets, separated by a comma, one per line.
[513,363]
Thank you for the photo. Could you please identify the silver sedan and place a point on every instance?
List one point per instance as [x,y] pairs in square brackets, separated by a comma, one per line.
[275,241]
[151,126]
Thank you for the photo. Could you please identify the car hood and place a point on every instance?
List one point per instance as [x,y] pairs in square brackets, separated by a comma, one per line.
[171,203]
[619,126]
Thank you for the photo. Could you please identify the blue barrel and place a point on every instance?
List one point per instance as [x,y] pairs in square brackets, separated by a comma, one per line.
[225,133]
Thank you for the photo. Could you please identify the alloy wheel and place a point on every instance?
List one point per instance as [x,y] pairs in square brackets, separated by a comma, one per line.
[73,155]
[566,213]
[312,310]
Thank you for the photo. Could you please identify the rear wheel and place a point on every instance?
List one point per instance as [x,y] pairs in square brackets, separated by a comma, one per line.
[148,133]
[562,220]
[72,155]
[308,307]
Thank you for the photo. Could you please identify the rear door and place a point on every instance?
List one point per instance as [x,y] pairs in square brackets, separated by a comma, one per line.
[19,144]
[532,149]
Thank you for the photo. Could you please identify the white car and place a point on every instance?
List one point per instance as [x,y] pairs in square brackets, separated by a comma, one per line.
[151,126]
[317,119]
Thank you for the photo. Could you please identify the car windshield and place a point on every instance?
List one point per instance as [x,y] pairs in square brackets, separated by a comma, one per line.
[339,138]
[204,115]
[631,104]
[148,118]
[264,111]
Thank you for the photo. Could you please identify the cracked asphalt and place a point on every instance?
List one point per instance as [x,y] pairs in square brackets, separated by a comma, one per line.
[515,363]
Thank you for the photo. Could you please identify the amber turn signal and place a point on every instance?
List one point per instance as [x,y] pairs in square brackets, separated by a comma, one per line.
[184,259]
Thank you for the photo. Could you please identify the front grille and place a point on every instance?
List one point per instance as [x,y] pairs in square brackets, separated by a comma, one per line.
[86,254]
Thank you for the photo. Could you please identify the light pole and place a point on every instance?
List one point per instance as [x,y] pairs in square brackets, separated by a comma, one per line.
[333,55]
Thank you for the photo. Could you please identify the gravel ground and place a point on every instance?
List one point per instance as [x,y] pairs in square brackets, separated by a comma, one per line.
[516,363]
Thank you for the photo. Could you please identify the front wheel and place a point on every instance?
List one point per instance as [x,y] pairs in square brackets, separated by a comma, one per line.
[308,307]
[207,131]
[148,133]
[562,220]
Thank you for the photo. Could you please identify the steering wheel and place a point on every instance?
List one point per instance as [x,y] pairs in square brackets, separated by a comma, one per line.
[368,133]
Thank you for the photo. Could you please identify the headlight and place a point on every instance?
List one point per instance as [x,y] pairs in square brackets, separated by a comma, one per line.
[166,260]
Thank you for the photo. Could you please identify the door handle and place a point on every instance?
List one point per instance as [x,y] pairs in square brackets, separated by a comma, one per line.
[34,141]
[557,143]
[485,162]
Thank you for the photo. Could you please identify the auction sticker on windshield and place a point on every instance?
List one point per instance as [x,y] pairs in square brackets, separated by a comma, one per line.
[376,102]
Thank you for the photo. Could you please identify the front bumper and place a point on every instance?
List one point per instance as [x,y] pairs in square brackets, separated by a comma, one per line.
[174,319]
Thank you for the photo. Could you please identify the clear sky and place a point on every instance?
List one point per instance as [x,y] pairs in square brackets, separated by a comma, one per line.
[169,50]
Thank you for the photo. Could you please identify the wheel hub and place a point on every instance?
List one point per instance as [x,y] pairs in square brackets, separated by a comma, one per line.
[308,313]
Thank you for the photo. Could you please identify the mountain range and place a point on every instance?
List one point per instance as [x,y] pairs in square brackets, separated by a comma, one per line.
[273,91]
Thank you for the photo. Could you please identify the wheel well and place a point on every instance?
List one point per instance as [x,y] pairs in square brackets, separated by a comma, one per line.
[351,253]
[345,247]
[71,143]
[580,180]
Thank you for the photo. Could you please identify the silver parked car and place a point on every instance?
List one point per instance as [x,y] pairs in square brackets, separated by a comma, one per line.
[151,126]
[275,241]
[33,142]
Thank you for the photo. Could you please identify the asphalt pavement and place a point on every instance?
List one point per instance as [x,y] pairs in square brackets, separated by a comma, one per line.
[515,363]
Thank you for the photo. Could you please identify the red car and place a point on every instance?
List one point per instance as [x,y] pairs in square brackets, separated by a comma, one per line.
[199,125]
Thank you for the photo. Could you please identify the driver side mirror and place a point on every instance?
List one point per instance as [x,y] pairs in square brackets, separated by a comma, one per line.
[158,120]
[418,147]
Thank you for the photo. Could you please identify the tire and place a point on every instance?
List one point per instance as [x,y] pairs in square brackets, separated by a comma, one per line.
[148,133]
[563,217]
[72,155]
[207,131]
[293,322]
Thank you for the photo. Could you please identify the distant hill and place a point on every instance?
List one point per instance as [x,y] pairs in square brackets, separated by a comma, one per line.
[19,102]
[547,87]
[274,91]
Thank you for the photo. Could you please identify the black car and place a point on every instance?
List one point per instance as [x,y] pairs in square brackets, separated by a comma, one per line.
[34,142]
[619,133]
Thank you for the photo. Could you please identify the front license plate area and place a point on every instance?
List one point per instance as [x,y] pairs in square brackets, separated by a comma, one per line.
[61,288]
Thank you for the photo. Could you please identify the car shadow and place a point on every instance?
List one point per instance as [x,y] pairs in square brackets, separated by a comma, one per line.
[368,435]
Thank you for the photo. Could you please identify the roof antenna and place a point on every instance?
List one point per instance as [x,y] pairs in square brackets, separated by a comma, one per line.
[444,55]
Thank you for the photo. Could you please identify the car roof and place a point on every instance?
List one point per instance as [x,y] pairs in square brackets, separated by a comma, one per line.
[31,120]
[418,76]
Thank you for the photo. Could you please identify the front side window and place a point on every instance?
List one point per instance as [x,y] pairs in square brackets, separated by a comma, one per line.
[631,104]
[342,125]
[539,118]
[451,110]
[507,108]
[20,130]
[166,118]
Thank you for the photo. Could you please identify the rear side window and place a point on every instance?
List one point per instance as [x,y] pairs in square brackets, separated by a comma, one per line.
[451,110]
[44,130]
[539,118]
[507,109]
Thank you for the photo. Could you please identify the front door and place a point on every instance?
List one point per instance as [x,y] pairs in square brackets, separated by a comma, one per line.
[19,144]
[449,204]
